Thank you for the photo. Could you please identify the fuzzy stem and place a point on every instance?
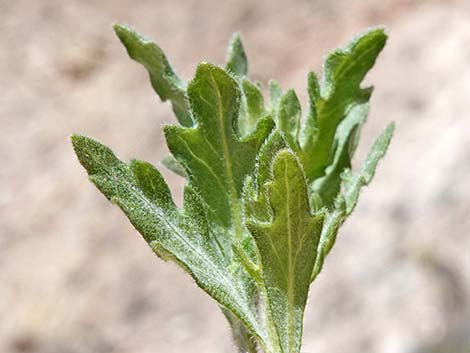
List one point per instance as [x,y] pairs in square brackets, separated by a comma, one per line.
[245,342]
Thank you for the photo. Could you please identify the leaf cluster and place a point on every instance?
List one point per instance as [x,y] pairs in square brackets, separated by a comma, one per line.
[267,187]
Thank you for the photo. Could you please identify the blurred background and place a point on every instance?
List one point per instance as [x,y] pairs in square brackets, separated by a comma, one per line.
[76,278]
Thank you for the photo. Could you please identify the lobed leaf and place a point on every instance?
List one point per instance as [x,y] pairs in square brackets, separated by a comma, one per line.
[164,80]
[287,246]
[184,236]
[344,204]
[354,182]
[330,102]
[214,156]
[328,187]
[266,193]
[340,89]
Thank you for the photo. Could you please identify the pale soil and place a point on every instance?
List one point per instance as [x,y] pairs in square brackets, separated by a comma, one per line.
[75,276]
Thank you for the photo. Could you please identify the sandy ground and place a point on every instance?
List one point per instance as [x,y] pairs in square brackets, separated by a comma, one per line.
[75,276]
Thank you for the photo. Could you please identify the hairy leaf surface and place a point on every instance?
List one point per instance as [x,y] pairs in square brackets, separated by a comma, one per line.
[237,62]
[287,245]
[330,102]
[213,154]
[344,204]
[340,89]
[267,189]
[354,182]
[254,107]
[183,235]
[164,80]
[328,187]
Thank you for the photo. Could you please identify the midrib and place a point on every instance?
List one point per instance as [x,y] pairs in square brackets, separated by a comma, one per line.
[290,287]
[235,210]
[242,312]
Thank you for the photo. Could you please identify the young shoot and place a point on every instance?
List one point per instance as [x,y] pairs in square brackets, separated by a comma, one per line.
[267,187]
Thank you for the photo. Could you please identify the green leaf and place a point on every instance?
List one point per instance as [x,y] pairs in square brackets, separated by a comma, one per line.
[329,102]
[254,195]
[237,62]
[288,118]
[340,89]
[254,102]
[215,157]
[164,80]
[183,235]
[266,192]
[328,187]
[331,224]
[354,182]
[275,96]
[172,164]
[309,132]
[287,245]
[344,204]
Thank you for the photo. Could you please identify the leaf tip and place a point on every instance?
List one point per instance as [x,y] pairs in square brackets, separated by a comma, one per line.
[202,69]
[119,28]
[79,143]
[74,138]
[122,31]
[236,39]
[377,33]
[237,61]
[284,157]
[391,127]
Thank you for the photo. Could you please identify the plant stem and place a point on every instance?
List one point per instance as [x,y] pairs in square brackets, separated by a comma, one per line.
[244,341]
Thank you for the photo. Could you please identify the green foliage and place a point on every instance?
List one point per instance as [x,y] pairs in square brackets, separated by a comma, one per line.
[287,246]
[266,191]
[214,156]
